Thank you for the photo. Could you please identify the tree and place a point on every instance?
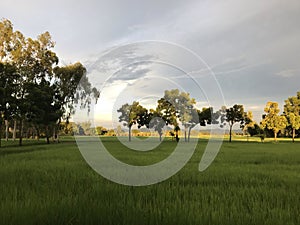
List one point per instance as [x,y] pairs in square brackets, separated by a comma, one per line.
[43,106]
[34,67]
[184,107]
[101,130]
[292,113]
[255,130]
[156,122]
[249,123]
[74,88]
[131,115]
[272,120]
[233,115]
[293,120]
[7,76]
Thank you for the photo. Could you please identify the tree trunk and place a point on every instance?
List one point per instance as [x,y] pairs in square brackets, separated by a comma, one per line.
[189,134]
[275,136]
[0,131]
[6,129]
[230,132]
[176,136]
[21,133]
[38,133]
[185,135]
[129,134]
[160,137]
[294,134]
[15,130]
[47,135]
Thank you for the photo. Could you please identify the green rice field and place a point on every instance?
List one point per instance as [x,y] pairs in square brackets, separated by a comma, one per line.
[248,183]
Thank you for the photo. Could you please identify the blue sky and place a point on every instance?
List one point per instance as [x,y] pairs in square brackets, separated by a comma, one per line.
[252,47]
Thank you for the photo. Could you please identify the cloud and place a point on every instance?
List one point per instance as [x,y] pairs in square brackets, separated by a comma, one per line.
[288,73]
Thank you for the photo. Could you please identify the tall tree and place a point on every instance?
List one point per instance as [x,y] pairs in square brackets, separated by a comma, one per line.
[7,89]
[34,63]
[292,113]
[272,120]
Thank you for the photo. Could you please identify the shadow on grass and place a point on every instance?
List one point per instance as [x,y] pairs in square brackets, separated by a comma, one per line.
[12,147]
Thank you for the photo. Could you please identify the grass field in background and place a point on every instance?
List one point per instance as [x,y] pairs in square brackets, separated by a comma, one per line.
[248,183]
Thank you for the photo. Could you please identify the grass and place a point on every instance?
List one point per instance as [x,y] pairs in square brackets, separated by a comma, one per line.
[248,183]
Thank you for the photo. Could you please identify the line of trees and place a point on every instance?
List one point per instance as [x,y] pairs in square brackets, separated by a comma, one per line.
[177,108]
[35,93]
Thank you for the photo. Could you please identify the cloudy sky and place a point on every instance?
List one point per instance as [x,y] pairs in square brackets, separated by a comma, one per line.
[250,50]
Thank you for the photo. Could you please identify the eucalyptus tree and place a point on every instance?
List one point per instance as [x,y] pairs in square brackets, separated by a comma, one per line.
[35,64]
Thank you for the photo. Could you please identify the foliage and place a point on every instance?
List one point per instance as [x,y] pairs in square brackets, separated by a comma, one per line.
[232,115]
[34,91]
[292,113]
[272,120]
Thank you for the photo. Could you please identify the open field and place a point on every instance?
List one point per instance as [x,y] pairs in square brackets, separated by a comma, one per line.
[248,183]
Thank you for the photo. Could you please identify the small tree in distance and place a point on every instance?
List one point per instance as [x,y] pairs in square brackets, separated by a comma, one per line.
[272,120]
[232,115]
[131,115]
[292,113]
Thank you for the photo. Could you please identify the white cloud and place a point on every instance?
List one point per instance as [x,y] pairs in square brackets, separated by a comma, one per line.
[288,73]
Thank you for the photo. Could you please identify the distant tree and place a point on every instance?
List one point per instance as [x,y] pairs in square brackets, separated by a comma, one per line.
[292,113]
[206,116]
[156,122]
[131,114]
[184,107]
[167,111]
[255,130]
[233,115]
[248,123]
[272,120]
[101,130]
[119,130]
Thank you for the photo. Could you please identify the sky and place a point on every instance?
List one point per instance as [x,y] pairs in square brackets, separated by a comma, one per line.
[221,52]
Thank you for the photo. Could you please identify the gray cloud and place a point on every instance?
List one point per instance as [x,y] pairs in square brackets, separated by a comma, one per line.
[252,46]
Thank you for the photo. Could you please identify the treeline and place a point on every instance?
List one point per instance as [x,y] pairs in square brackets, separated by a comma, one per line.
[177,108]
[36,94]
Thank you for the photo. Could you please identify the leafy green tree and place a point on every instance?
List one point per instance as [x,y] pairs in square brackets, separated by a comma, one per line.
[34,63]
[7,97]
[272,120]
[232,115]
[254,130]
[292,113]
[131,115]
[167,111]
[74,88]
[184,107]
[156,122]
[248,123]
